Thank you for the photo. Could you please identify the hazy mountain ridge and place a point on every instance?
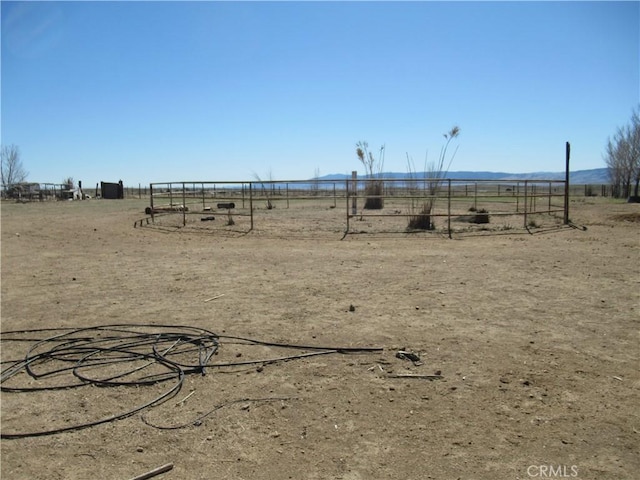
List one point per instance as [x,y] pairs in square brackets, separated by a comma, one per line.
[596,176]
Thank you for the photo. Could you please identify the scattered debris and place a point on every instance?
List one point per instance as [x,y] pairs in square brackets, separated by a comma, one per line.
[214,298]
[228,206]
[166,208]
[352,308]
[207,219]
[414,375]
[154,472]
[181,402]
[405,355]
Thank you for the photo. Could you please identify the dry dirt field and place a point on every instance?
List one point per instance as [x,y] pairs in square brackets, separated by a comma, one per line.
[528,345]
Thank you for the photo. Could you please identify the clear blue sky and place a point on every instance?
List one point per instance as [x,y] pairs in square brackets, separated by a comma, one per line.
[160,91]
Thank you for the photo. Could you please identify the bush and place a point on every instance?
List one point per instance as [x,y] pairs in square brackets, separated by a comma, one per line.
[421,221]
[374,191]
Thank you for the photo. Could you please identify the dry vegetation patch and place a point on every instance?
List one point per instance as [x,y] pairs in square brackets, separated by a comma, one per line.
[627,217]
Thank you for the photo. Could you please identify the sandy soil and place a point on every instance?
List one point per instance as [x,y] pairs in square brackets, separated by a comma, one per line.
[535,337]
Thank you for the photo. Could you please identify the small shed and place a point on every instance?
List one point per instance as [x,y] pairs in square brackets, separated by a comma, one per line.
[112,191]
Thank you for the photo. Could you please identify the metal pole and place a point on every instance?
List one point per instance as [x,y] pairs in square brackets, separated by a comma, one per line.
[184,205]
[251,204]
[533,197]
[525,204]
[346,184]
[354,186]
[449,207]
[566,183]
[151,198]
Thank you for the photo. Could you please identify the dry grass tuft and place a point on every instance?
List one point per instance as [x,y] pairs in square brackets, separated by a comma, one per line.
[627,217]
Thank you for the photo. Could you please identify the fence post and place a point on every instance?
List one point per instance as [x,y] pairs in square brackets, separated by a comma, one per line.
[250,203]
[534,193]
[449,207]
[346,185]
[184,205]
[153,219]
[525,204]
[475,195]
[566,183]
[354,198]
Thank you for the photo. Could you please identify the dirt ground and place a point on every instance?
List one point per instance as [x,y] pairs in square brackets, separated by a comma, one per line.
[531,342]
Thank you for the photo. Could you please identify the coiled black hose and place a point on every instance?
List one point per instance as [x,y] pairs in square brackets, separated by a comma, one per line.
[128,355]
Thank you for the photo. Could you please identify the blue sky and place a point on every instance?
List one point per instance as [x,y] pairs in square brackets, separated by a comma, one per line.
[169,91]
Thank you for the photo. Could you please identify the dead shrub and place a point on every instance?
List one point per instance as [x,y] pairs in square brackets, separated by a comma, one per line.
[374,191]
[422,220]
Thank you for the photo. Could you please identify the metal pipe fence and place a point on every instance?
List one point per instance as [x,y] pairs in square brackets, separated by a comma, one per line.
[451,204]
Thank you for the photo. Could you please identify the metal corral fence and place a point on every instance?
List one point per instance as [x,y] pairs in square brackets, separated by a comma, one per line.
[455,205]
[29,191]
[354,205]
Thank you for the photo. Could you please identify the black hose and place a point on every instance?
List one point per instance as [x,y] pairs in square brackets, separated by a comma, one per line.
[145,354]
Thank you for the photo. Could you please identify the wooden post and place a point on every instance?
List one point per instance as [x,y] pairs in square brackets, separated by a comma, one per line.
[287,193]
[566,183]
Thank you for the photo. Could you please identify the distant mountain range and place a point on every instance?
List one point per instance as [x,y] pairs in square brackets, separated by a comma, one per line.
[596,176]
